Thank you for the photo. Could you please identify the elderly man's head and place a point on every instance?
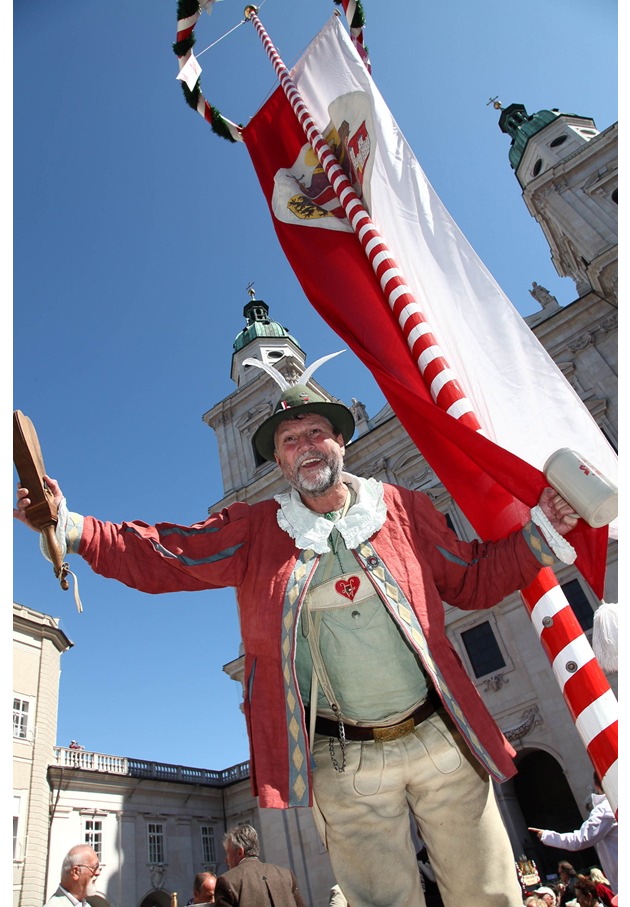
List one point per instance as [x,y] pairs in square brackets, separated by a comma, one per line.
[80,870]
[240,841]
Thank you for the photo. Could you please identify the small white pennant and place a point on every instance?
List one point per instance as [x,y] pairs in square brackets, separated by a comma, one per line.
[190,71]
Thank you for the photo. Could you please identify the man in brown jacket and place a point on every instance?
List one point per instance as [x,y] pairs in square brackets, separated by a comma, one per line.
[250,883]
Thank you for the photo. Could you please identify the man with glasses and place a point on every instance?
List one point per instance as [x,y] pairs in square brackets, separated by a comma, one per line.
[79,871]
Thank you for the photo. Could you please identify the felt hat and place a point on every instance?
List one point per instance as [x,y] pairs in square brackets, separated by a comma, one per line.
[302,399]
[299,398]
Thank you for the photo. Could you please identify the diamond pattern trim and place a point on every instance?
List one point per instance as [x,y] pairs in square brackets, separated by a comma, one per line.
[297,767]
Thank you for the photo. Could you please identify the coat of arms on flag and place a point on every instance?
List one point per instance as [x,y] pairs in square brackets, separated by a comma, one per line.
[302,193]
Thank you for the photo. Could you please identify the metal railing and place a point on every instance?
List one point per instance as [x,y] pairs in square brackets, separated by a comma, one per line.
[69,757]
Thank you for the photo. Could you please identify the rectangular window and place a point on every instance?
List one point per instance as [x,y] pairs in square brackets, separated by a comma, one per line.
[17,803]
[580,604]
[483,649]
[94,836]
[156,842]
[207,844]
[20,717]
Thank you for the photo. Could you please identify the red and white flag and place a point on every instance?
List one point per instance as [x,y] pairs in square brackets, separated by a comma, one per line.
[526,407]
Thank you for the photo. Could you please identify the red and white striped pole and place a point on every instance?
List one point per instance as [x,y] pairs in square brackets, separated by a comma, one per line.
[586,691]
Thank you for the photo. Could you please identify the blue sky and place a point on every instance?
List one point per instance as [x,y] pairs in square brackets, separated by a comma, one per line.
[136,232]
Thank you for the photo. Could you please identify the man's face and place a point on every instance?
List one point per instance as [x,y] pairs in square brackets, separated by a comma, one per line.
[233,855]
[309,453]
[84,876]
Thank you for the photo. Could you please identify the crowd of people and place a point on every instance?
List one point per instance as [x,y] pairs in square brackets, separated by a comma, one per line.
[574,890]
[250,882]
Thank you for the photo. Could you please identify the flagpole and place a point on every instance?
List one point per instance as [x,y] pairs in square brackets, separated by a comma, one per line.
[586,691]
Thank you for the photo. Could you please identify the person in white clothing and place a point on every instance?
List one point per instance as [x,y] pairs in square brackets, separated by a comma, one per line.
[79,872]
[599,830]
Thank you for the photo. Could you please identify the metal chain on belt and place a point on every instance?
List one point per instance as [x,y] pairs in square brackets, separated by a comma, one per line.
[342,744]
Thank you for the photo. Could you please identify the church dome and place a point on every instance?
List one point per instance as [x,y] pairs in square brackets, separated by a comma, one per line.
[516,122]
[259,324]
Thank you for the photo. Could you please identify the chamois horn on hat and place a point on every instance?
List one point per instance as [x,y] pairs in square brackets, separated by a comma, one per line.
[299,397]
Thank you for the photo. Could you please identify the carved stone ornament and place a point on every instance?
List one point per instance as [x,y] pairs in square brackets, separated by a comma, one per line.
[494,683]
[293,373]
[581,342]
[531,719]
[379,466]
[254,415]
[157,871]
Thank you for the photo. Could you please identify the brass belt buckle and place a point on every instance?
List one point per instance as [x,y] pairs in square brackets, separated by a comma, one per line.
[395,731]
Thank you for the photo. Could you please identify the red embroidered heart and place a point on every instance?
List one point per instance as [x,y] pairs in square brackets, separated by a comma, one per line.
[348,587]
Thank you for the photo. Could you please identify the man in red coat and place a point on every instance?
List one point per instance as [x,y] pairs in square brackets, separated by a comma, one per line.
[356,701]
[250,883]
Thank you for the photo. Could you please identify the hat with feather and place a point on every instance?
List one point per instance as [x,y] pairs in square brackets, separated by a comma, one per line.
[295,400]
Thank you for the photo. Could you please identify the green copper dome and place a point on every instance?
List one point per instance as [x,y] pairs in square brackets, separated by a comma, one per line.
[259,325]
[515,121]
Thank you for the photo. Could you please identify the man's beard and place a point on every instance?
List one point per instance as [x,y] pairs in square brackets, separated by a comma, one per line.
[317,481]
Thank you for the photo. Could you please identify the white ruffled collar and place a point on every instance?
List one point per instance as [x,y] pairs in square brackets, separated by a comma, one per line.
[311,530]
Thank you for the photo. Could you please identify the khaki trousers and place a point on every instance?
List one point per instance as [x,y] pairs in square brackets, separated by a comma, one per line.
[363,815]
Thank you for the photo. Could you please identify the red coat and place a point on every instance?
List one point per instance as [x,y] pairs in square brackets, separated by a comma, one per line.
[415,563]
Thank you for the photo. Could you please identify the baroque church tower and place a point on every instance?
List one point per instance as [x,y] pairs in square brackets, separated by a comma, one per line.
[568,172]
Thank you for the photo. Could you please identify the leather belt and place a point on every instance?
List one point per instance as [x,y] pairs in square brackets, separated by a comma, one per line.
[330,728]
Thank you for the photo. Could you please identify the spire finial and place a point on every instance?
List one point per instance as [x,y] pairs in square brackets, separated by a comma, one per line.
[251,290]
[496,103]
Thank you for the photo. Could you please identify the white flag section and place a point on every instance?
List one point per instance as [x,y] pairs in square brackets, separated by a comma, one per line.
[522,400]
